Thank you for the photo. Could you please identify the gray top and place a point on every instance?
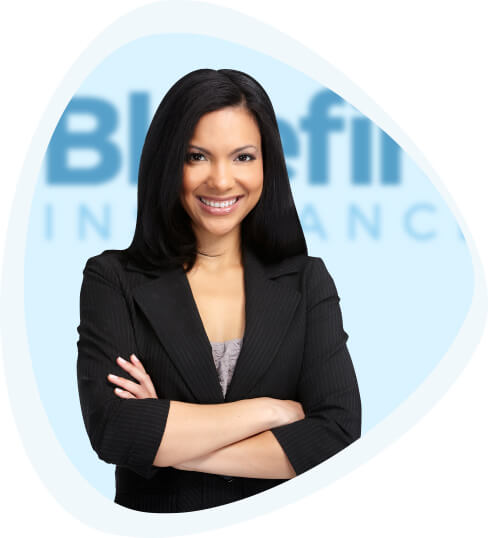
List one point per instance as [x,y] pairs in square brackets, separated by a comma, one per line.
[225,356]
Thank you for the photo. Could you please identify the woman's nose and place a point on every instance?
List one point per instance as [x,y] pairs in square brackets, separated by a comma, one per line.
[220,177]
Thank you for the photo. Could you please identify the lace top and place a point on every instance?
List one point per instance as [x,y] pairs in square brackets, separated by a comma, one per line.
[225,356]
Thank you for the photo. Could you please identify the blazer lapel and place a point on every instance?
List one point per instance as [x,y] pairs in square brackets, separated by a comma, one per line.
[270,308]
[168,303]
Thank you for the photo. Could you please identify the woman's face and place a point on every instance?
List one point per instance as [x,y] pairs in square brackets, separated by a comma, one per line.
[223,161]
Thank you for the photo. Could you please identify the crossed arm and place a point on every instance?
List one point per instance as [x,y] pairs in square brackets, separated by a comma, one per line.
[230,438]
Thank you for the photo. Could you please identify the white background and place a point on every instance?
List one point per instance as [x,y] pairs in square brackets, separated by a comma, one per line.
[424,63]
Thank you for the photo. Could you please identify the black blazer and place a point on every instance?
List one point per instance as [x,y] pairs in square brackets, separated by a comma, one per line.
[294,347]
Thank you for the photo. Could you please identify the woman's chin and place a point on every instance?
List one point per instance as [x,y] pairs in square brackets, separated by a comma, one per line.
[220,230]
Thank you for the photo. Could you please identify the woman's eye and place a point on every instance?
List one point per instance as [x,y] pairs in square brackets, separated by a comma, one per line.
[251,157]
[189,156]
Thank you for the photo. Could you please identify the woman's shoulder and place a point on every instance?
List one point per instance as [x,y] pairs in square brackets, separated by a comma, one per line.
[299,263]
[319,279]
[307,274]
[108,265]
[109,258]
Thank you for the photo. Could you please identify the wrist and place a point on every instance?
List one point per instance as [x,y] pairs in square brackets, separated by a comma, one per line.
[268,412]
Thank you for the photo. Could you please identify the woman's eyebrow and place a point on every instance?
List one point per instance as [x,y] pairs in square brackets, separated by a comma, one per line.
[231,153]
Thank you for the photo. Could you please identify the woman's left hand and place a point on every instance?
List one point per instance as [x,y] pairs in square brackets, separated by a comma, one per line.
[130,389]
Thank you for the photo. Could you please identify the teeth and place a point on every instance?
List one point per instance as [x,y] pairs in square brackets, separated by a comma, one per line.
[211,203]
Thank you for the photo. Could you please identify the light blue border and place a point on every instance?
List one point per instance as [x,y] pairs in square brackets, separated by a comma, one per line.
[70,488]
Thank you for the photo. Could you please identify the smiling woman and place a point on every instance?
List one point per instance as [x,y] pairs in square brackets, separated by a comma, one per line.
[244,379]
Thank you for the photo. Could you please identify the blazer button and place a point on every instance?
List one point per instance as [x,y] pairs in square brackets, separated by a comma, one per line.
[227,478]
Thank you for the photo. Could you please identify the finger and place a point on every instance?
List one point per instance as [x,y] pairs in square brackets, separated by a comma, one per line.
[137,362]
[123,393]
[138,373]
[126,384]
[133,370]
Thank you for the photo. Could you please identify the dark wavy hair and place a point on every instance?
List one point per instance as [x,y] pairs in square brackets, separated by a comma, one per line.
[163,235]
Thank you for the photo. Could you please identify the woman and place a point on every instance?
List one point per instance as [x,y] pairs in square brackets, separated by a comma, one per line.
[236,375]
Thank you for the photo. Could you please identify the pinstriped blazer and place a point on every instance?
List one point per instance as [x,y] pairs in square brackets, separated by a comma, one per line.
[294,347]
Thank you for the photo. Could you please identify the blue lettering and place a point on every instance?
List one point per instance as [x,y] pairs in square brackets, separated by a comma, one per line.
[310,221]
[355,215]
[361,151]
[85,217]
[408,221]
[319,124]
[139,121]
[390,160]
[62,141]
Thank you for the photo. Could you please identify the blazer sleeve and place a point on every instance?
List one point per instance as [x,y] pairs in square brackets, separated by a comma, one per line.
[327,387]
[125,432]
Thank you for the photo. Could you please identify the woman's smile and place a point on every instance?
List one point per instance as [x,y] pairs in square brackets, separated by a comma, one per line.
[219,208]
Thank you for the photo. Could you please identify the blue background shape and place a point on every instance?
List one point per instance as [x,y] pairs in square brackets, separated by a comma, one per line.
[63,479]
[395,251]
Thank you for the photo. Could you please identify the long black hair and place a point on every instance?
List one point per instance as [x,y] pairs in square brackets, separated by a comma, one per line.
[163,235]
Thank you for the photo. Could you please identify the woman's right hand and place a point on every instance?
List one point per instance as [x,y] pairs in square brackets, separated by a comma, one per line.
[286,411]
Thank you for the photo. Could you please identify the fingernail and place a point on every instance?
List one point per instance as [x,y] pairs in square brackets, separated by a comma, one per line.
[118,390]
[135,358]
[112,376]
[121,359]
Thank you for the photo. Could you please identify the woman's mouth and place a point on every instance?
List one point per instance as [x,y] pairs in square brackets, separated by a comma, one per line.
[219,208]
